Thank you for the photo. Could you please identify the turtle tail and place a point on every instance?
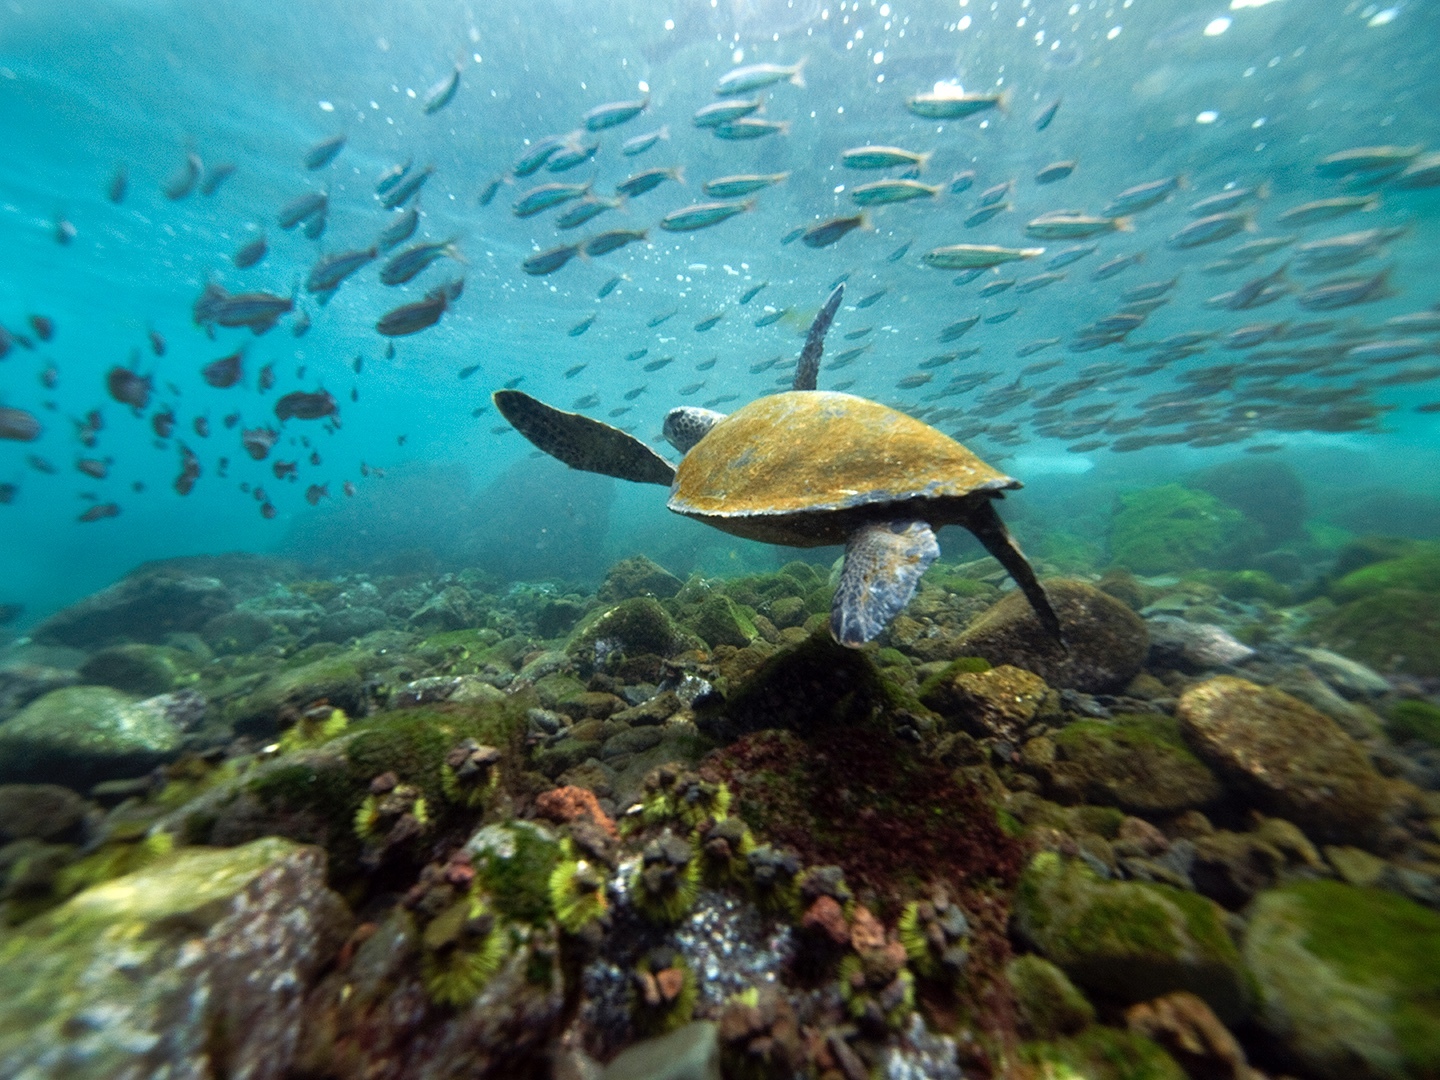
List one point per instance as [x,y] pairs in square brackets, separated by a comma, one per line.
[807,371]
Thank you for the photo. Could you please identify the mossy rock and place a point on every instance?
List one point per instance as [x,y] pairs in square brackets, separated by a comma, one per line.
[336,676]
[1139,763]
[633,627]
[805,574]
[513,862]
[998,702]
[144,670]
[1247,585]
[1417,720]
[1171,529]
[721,621]
[637,576]
[81,735]
[1418,571]
[1348,979]
[1102,1053]
[1391,630]
[1128,941]
[1050,1005]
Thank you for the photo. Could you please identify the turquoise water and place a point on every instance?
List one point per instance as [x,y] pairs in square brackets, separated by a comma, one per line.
[1251,95]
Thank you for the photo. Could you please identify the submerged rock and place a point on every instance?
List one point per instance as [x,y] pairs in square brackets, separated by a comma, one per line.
[1186,646]
[1106,641]
[1348,980]
[1000,703]
[1139,763]
[195,966]
[637,576]
[1285,756]
[153,601]
[634,627]
[1049,1003]
[83,734]
[691,1052]
[40,812]
[1128,941]
[339,678]
[135,669]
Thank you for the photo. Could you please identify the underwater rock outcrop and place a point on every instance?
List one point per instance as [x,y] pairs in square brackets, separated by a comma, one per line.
[83,734]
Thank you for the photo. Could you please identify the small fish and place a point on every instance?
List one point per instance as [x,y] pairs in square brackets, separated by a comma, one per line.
[300,405]
[732,187]
[636,355]
[349,488]
[1312,213]
[387,180]
[690,388]
[995,288]
[962,181]
[247,255]
[99,512]
[314,227]
[656,365]
[402,226]
[1367,159]
[586,210]
[201,426]
[752,292]
[41,465]
[439,95]
[571,154]
[543,197]
[119,184]
[408,264]
[640,143]
[19,425]
[770,318]
[225,372]
[750,127]
[163,422]
[743,80]
[709,322]
[726,112]
[660,320]
[937,361]
[649,180]
[1209,229]
[957,330]
[1039,281]
[547,262]
[1143,196]
[1066,256]
[993,195]
[324,152]
[1056,170]
[965,277]
[603,117]
[412,318]
[64,232]
[1345,292]
[534,158]
[828,232]
[1000,316]
[406,188]
[793,235]
[706,365]
[856,335]
[881,157]
[954,105]
[613,240]
[511,384]
[984,214]
[871,300]
[304,207]
[609,286]
[571,372]
[1111,267]
[1030,348]
[1068,225]
[43,326]
[900,252]
[490,190]
[331,270]
[583,325]
[50,376]
[216,175]
[466,372]
[1047,114]
[911,382]
[1228,200]
[631,395]
[183,181]
[891,191]
[703,215]
[315,492]
[129,388]
[966,256]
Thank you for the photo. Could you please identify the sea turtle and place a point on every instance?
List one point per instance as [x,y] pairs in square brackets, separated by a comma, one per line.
[804,468]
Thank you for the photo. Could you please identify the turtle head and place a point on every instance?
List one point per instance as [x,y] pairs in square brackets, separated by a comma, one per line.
[687,425]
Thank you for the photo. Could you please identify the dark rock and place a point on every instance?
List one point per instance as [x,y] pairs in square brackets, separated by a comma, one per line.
[156,600]
[1189,1030]
[350,622]
[135,669]
[1269,493]
[1284,755]
[651,712]
[339,679]
[558,615]
[632,628]
[719,621]
[21,684]
[1106,641]
[40,812]
[193,967]
[1231,867]
[634,741]
[449,609]
[238,631]
[1192,647]
[637,576]
[83,734]
[1139,763]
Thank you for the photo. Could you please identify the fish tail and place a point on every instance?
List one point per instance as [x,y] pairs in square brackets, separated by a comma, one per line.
[678,174]
[1003,102]
[1182,180]
[454,252]
[748,205]
[664,132]
[1372,203]
[1263,191]
[1250,225]
[865,224]
[797,75]
[924,160]
[1124,224]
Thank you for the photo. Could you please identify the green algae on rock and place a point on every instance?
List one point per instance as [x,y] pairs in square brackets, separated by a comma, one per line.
[1101,1053]
[1348,979]
[1171,528]
[1001,702]
[1050,1005]
[633,627]
[1139,763]
[720,621]
[1288,758]
[83,734]
[1417,571]
[1128,941]
[637,576]
[338,678]
[1412,719]
[1391,630]
[1106,641]
[196,965]
[136,669]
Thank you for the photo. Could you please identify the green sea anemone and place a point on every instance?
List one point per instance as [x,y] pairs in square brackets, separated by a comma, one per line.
[674,794]
[666,883]
[723,848]
[470,774]
[665,992]
[775,879]
[314,728]
[386,804]
[577,893]
[934,933]
[463,948]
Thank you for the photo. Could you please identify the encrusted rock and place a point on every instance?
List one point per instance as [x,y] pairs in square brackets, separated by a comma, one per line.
[133,669]
[1287,757]
[637,576]
[691,1052]
[1139,763]
[40,812]
[146,605]
[1000,703]
[1185,1026]
[1048,1002]
[83,734]
[1106,641]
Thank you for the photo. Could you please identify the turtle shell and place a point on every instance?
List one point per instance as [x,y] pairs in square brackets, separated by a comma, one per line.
[780,467]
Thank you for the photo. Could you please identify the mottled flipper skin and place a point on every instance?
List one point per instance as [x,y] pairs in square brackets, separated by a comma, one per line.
[985,523]
[687,425]
[583,443]
[883,564]
[807,371]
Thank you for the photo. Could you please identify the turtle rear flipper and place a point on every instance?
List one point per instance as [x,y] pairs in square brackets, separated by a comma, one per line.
[583,443]
[985,523]
[807,371]
[883,564]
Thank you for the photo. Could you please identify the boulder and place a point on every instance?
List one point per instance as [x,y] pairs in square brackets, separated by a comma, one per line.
[633,627]
[1194,647]
[135,669]
[81,735]
[351,622]
[40,812]
[339,678]
[1139,763]
[1049,1004]
[146,605]
[999,703]
[1348,980]
[21,684]
[449,609]
[1128,941]
[637,576]
[1106,641]
[720,621]
[1285,756]
[194,966]
[691,1052]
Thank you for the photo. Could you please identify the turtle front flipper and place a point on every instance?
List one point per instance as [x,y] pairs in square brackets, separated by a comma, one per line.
[985,523]
[883,564]
[807,371]
[583,443]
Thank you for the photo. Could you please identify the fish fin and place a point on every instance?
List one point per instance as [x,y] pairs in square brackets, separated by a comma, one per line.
[924,160]
[1182,180]
[797,77]
[883,565]
[664,132]
[865,223]
[1372,203]
[784,127]
[1003,102]
[1124,224]
[583,443]
[1263,191]
[678,174]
